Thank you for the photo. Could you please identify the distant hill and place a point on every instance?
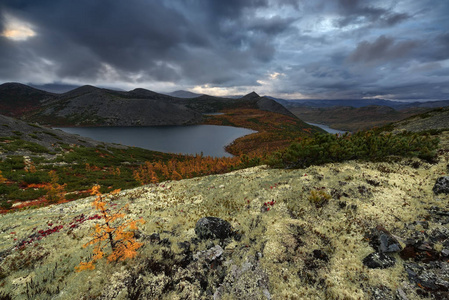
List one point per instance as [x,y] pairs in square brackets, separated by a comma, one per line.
[17,99]
[317,103]
[92,106]
[354,118]
[184,94]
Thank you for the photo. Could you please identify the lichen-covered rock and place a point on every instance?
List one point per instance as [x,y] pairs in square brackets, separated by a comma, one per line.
[442,185]
[210,254]
[213,228]
[378,261]
[247,281]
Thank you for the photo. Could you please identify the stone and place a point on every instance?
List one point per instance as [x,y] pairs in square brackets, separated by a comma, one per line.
[245,281]
[213,228]
[382,240]
[442,185]
[378,261]
[210,254]
[388,243]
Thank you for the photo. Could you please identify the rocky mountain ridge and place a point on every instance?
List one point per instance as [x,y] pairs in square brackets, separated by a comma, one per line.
[92,106]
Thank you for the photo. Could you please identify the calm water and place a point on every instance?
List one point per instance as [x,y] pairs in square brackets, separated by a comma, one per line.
[209,139]
[327,128]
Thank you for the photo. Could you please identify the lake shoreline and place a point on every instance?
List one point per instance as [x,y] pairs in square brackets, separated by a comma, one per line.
[211,140]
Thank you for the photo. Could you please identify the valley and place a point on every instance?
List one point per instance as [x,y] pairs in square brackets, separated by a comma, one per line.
[306,213]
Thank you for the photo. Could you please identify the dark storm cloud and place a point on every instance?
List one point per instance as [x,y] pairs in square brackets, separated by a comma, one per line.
[150,37]
[382,49]
[358,11]
[345,48]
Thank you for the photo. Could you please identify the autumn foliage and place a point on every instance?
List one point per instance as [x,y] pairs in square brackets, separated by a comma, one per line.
[189,167]
[112,233]
[274,131]
[55,191]
[2,179]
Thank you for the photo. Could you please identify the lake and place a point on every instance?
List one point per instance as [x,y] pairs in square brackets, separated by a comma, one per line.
[327,128]
[209,139]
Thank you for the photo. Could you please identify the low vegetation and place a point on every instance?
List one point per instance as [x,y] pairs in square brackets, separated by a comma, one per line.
[275,131]
[33,176]
[371,145]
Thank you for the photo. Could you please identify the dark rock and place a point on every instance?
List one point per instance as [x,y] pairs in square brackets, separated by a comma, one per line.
[155,238]
[378,261]
[185,246]
[430,277]
[213,228]
[165,242]
[445,252]
[442,185]
[382,241]
[389,244]
[381,293]
[342,204]
[408,252]
[319,254]
[419,250]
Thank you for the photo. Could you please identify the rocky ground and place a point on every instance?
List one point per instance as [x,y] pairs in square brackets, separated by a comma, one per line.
[44,136]
[435,119]
[355,230]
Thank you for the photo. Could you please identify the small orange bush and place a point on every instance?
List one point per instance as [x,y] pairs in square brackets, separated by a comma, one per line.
[111,234]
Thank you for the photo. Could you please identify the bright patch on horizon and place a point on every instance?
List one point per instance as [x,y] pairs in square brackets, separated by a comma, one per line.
[17,30]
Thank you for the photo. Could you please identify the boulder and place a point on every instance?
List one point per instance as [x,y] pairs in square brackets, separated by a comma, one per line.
[442,185]
[213,228]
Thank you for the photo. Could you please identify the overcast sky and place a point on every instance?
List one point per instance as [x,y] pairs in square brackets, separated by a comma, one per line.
[283,48]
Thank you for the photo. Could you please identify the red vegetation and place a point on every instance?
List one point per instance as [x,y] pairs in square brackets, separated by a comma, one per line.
[275,131]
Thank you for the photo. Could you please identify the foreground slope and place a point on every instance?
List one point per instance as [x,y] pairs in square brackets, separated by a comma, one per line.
[299,234]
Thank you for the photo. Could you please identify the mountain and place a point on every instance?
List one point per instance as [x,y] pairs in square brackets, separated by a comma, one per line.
[184,94]
[354,118]
[319,103]
[93,106]
[17,99]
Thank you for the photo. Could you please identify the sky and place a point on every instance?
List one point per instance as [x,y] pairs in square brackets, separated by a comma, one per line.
[322,49]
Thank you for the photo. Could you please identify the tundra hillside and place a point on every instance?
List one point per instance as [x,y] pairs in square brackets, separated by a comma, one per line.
[356,229]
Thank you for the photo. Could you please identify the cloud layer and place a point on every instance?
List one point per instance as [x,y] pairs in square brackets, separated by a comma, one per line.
[284,48]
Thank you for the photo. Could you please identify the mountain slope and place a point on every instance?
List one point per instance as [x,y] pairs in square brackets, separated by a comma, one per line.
[17,99]
[91,106]
[437,119]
